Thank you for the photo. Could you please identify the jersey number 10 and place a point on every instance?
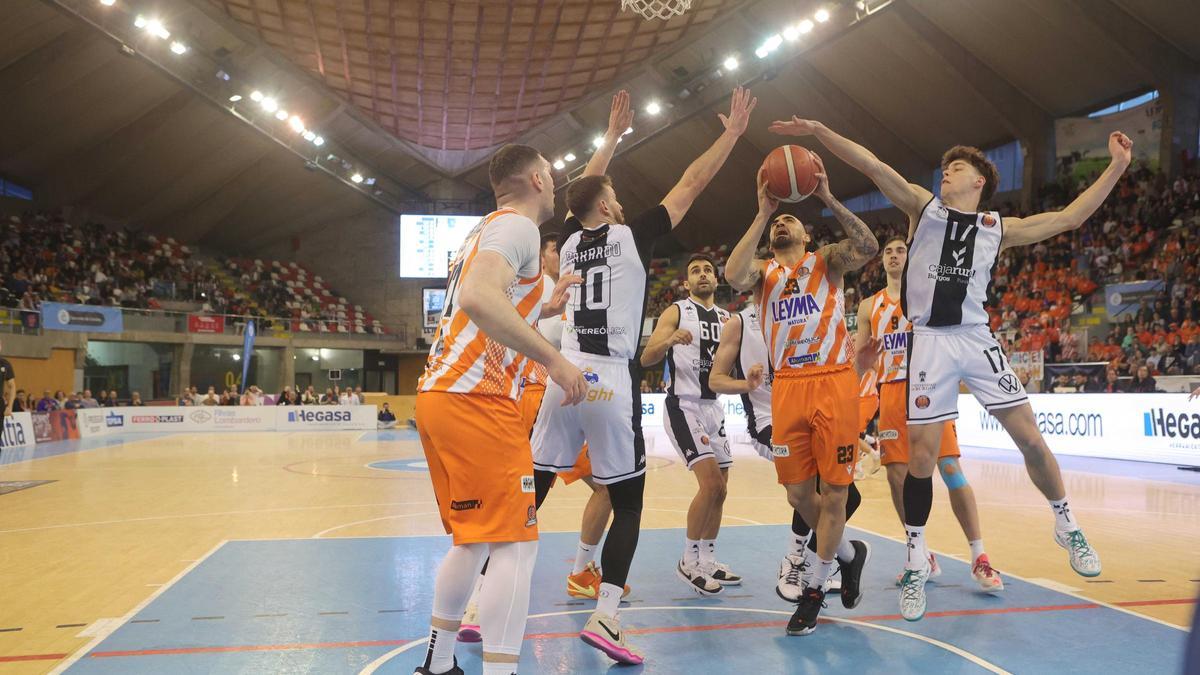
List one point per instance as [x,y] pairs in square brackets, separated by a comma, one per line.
[594,293]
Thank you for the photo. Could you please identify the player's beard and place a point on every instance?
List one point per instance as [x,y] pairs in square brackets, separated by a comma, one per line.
[704,294]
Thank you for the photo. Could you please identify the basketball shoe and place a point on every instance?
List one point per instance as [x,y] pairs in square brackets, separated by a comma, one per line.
[468,630]
[987,578]
[604,633]
[912,594]
[586,584]
[1084,559]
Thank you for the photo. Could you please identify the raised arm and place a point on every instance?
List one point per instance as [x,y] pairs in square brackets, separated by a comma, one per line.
[667,333]
[907,197]
[720,379]
[860,244]
[484,298]
[701,172]
[742,271]
[620,116]
[1023,231]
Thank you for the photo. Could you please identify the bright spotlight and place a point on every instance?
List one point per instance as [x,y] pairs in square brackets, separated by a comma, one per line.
[178,47]
[791,33]
[269,104]
[731,63]
[773,42]
[597,141]
[761,52]
[155,28]
[653,108]
[237,357]
[559,165]
[108,3]
[822,15]
[140,21]
[235,98]
[318,141]
[256,96]
[806,26]
[628,131]
[281,114]
[296,124]
[570,157]
[357,178]
[308,135]
[316,358]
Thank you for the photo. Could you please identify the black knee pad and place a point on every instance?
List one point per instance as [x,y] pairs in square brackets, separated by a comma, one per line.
[853,500]
[542,482]
[627,495]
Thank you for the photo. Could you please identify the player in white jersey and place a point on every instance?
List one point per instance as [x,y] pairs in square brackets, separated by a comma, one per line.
[952,249]
[879,317]
[687,335]
[601,335]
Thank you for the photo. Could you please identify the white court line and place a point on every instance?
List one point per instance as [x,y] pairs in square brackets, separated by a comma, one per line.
[957,651]
[1056,587]
[112,625]
[371,520]
[208,515]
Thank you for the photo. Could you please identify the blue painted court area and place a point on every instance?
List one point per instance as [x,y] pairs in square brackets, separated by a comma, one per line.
[338,605]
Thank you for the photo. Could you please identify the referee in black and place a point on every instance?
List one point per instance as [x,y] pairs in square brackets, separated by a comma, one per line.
[10,385]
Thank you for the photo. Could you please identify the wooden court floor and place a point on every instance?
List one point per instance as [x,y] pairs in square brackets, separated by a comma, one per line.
[119,521]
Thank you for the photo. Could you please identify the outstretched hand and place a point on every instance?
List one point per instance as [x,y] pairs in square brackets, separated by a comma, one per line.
[767,204]
[620,116]
[868,357]
[822,190]
[740,107]
[560,294]
[794,127]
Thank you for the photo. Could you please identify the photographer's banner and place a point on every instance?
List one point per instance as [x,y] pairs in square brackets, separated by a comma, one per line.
[82,318]
[17,431]
[1161,428]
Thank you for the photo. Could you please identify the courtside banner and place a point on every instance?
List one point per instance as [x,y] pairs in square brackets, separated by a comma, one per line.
[17,431]
[1161,428]
[243,418]
[298,418]
[82,318]
[654,411]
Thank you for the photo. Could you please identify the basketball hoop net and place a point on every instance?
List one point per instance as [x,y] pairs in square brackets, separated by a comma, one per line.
[657,9]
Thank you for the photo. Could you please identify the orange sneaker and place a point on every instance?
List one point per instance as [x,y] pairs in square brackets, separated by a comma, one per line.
[586,584]
[986,576]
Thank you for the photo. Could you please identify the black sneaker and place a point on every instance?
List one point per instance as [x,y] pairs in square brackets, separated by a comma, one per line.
[804,621]
[852,574]
[422,670]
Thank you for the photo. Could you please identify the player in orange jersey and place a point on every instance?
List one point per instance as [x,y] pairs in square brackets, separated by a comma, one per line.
[880,316]
[469,418]
[814,402]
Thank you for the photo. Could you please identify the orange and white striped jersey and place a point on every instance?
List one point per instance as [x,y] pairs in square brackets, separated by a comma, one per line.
[803,317]
[868,384]
[551,328]
[888,324]
[463,359]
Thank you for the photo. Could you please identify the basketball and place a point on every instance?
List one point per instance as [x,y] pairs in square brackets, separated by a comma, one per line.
[791,173]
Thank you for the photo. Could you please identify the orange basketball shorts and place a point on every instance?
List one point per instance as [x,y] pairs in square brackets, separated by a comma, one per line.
[481,466]
[893,426]
[867,407]
[531,401]
[815,425]
[582,468]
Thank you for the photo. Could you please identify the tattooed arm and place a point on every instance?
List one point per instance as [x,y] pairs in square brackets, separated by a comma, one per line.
[860,244]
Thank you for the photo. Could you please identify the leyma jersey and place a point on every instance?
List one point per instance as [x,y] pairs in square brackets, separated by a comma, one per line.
[949,268]
[691,364]
[604,316]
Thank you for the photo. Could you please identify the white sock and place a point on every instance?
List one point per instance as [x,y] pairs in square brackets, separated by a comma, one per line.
[1064,521]
[504,603]
[499,668]
[708,551]
[918,555]
[845,550]
[691,552]
[799,544]
[584,554]
[440,656]
[610,599]
[821,572]
[976,549]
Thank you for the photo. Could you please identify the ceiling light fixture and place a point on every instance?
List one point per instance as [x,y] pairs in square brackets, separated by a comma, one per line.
[653,108]
[178,47]
[570,157]
[235,98]
[731,63]
[822,15]
[357,178]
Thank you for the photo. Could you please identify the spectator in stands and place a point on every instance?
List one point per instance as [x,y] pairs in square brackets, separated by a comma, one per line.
[111,400]
[228,397]
[1062,385]
[73,402]
[310,397]
[61,397]
[1143,382]
[287,397]
[87,401]
[47,403]
[386,417]
[195,395]
[21,402]
[1112,385]
[329,398]
[185,399]
[346,397]
[358,396]
[210,397]
[135,399]
[1192,352]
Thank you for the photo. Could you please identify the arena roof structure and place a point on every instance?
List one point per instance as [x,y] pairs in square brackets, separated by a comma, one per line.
[414,96]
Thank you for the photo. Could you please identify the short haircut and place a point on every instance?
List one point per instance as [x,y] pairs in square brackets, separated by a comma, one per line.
[511,161]
[548,238]
[975,157]
[890,240]
[700,256]
[583,193]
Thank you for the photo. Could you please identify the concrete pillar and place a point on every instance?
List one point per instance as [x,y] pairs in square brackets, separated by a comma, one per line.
[1039,164]
[288,371]
[1181,122]
[181,372]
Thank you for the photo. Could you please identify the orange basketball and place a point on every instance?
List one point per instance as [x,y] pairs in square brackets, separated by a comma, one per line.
[791,173]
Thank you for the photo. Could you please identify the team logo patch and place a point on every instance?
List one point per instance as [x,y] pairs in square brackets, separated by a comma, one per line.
[989,220]
[1009,384]
[527,484]
[704,440]
[921,376]
[780,450]
[942,212]
[591,377]
[530,517]
[889,434]
[466,505]
[922,402]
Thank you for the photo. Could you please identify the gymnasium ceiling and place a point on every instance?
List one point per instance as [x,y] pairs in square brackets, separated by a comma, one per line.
[423,90]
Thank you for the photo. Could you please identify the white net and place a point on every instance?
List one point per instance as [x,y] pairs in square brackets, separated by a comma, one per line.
[657,9]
